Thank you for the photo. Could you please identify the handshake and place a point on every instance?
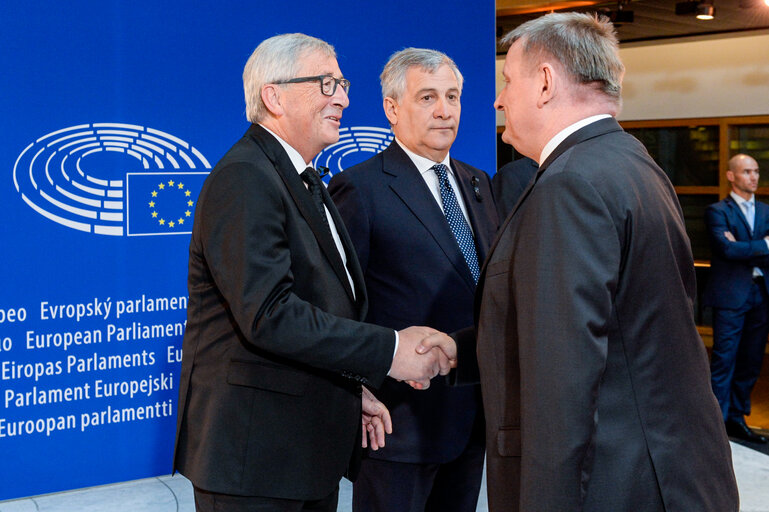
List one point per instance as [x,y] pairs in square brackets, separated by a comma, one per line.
[422,354]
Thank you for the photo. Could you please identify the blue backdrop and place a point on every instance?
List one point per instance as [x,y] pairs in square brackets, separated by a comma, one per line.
[111,114]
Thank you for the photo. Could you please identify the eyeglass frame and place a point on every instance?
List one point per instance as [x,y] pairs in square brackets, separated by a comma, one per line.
[320,78]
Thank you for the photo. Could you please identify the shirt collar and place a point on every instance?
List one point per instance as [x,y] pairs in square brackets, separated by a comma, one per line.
[740,200]
[561,136]
[423,164]
[293,154]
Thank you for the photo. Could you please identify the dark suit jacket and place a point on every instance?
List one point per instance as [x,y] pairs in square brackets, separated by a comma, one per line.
[509,183]
[416,275]
[273,353]
[595,380]
[732,263]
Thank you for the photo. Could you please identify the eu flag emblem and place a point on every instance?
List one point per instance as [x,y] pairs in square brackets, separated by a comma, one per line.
[162,203]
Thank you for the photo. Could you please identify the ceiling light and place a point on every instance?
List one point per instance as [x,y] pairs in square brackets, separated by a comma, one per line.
[701,9]
[706,11]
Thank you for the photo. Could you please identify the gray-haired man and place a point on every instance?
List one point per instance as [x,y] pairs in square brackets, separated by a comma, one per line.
[275,353]
[421,222]
[595,380]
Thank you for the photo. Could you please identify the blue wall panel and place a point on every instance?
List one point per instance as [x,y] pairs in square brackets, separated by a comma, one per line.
[111,112]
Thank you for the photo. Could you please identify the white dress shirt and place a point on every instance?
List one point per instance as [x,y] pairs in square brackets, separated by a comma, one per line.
[561,136]
[300,166]
[424,166]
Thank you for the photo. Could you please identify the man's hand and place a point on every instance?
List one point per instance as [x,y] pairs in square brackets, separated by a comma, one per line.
[376,421]
[441,341]
[729,236]
[418,368]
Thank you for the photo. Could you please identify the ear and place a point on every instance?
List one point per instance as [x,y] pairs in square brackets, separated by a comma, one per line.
[272,98]
[547,77]
[391,110]
[730,176]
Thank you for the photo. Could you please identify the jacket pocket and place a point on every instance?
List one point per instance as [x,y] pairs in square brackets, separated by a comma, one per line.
[498,267]
[279,379]
[509,442]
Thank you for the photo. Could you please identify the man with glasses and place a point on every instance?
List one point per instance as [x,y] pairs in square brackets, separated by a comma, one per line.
[271,403]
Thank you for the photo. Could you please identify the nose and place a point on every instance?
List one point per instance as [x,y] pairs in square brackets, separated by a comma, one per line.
[340,98]
[440,111]
[498,103]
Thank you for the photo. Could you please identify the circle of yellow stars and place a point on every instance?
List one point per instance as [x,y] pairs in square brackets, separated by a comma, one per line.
[171,186]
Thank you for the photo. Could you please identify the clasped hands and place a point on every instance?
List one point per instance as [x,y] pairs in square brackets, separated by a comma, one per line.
[422,354]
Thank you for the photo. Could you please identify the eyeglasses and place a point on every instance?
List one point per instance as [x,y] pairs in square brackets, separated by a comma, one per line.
[327,83]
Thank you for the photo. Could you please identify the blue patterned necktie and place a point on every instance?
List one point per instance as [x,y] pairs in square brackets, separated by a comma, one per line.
[457,221]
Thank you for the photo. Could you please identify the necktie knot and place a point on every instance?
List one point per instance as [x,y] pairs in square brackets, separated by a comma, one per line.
[441,171]
[310,176]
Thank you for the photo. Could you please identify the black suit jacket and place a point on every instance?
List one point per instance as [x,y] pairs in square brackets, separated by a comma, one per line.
[732,263]
[595,380]
[416,275]
[273,353]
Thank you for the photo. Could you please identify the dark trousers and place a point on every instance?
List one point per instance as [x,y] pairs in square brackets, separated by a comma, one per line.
[739,338]
[384,486]
[213,502]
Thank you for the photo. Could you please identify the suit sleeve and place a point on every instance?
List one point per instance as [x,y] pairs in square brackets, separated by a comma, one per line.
[466,371]
[741,250]
[244,236]
[565,273]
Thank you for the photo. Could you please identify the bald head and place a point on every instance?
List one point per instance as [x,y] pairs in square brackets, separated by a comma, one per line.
[743,175]
[740,161]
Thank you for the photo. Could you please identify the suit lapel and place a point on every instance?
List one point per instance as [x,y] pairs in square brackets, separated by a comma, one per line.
[760,222]
[737,213]
[474,207]
[303,200]
[411,188]
[353,266]
[598,128]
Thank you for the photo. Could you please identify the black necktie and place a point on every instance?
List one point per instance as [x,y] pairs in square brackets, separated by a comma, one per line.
[310,176]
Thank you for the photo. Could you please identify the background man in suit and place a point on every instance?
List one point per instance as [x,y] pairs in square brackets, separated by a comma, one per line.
[737,290]
[595,380]
[274,351]
[509,183]
[421,223]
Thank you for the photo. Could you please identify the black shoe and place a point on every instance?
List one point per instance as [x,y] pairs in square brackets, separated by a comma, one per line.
[739,430]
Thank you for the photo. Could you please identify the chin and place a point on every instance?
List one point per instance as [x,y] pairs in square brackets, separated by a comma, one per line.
[331,136]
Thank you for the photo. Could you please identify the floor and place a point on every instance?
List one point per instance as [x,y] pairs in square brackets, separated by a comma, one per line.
[759,399]
[174,493]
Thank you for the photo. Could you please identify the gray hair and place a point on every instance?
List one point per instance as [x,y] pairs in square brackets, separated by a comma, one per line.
[585,45]
[275,59]
[393,77]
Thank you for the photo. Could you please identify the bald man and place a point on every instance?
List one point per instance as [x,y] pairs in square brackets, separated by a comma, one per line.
[737,290]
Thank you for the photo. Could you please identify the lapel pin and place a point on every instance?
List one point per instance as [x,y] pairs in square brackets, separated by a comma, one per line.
[476,188]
